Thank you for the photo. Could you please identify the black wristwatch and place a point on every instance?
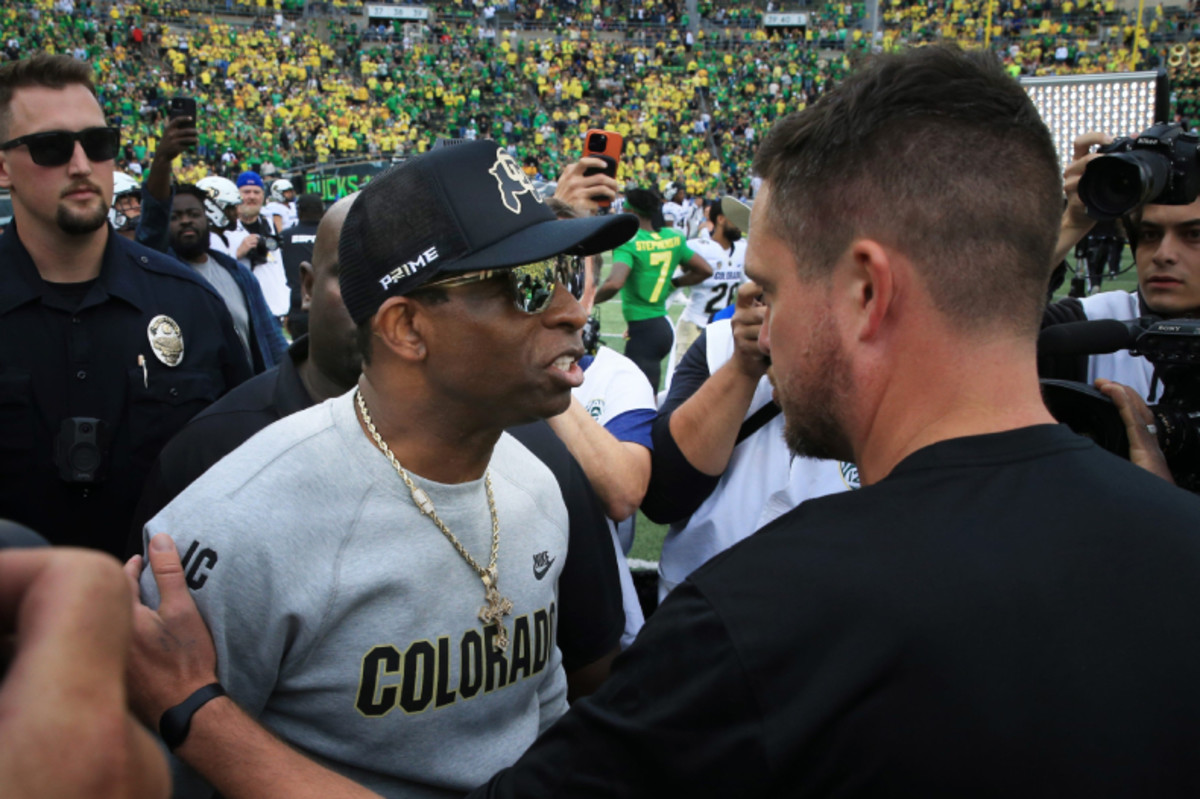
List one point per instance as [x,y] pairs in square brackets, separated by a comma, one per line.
[175,722]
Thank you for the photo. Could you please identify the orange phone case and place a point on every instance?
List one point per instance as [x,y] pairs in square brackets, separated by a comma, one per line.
[610,154]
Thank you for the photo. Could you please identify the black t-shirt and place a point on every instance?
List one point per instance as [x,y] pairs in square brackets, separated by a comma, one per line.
[1004,615]
[257,227]
[296,244]
[68,295]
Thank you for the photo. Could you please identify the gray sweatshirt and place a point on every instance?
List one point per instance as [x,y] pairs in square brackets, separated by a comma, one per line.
[348,624]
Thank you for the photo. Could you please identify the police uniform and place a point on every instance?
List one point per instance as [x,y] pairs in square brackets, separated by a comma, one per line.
[129,357]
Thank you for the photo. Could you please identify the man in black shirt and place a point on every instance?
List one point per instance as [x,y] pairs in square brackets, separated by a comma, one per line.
[296,244]
[106,347]
[990,615]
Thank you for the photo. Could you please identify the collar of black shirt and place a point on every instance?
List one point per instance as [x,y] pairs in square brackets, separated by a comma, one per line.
[121,275]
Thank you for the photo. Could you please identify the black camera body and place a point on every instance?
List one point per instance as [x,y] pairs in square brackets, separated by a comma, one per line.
[1158,166]
[1173,347]
[81,450]
[267,244]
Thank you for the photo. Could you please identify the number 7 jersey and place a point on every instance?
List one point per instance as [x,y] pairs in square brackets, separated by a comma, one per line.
[720,290]
[652,258]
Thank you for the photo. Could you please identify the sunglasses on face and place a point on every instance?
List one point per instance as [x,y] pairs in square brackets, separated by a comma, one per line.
[531,285]
[55,147]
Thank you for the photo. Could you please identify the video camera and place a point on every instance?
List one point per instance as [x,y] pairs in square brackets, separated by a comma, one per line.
[1173,347]
[1159,166]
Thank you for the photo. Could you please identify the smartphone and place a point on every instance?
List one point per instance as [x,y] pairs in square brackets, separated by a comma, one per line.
[182,107]
[607,146]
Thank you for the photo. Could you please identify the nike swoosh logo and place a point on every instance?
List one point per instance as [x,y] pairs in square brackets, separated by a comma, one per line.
[540,573]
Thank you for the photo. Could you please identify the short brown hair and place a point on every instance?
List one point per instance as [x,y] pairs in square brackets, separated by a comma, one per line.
[49,71]
[938,153]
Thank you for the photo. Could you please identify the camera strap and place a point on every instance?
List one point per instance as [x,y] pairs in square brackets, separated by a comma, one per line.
[756,421]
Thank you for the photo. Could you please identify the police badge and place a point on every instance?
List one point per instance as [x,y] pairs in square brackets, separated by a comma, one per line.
[166,339]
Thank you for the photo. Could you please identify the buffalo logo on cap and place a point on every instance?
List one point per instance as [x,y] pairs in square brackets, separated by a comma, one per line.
[512,182]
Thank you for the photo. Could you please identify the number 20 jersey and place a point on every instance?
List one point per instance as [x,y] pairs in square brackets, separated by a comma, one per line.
[720,290]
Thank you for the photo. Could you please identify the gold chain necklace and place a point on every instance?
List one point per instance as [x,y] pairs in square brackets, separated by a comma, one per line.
[497,606]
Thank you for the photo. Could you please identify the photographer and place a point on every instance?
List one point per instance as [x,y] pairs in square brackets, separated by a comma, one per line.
[256,246]
[1165,236]
[1166,246]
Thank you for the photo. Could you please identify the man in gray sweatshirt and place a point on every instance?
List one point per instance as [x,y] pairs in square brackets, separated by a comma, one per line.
[379,571]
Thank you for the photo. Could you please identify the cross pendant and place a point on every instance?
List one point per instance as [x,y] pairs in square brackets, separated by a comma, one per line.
[493,612]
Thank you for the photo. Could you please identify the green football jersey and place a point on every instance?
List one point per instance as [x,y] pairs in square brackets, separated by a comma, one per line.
[652,258]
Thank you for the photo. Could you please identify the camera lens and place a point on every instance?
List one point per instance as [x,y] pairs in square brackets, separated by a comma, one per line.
[271,243]
[1114,185]
[84,459]
[597,142]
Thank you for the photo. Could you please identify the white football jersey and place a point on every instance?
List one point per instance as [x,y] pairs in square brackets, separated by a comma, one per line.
[720,290]
[686,217]
[285,210]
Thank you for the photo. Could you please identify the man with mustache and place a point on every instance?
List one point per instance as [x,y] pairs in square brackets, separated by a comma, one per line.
[106,347]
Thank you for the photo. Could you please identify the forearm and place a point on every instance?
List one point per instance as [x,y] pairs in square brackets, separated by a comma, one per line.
[706,426]
[242,760]
[1070,233]
[607,291]
[618,471]
[695,270]
[690,277]
[158,182]
[68,613]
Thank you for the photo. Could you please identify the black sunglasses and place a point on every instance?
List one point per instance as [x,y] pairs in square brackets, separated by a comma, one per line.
[532,285]
[55,147]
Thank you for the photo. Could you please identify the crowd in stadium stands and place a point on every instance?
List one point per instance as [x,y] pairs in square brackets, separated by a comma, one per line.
[288,90]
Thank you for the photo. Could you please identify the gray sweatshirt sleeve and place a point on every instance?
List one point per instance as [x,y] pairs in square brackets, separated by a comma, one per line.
[236,589]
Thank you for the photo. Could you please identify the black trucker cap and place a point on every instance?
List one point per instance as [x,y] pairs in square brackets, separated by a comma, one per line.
[453,210]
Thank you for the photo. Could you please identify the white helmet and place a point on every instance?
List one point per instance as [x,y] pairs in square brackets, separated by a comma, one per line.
[278,188]
[123,185]
[220,194]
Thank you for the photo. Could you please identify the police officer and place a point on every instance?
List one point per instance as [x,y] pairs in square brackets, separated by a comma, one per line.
[106,347]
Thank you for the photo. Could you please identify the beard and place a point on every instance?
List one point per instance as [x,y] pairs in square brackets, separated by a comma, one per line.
[811,399]
[83,222]
[191,250]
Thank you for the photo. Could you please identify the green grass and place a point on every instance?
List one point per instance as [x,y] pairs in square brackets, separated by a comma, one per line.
[647,543]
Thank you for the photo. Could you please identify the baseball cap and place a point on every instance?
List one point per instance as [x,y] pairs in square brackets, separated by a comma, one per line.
[249,179]
[453,210]
[736,212]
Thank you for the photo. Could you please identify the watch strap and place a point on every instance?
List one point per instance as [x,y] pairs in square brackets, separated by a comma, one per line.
[177,721]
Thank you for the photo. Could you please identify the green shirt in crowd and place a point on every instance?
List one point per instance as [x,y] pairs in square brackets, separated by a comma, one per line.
[652,259]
